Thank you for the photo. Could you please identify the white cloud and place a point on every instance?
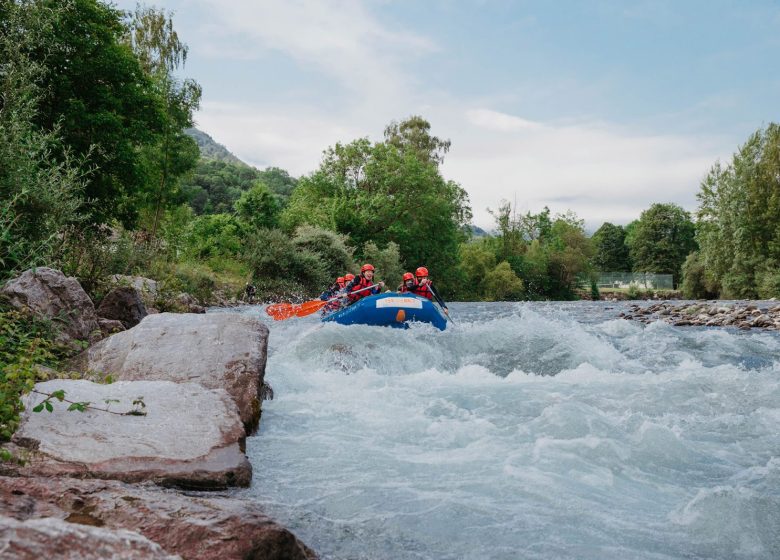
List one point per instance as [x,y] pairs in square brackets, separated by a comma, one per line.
[340,39]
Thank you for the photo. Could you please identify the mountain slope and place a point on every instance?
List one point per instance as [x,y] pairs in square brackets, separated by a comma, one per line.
[210,149]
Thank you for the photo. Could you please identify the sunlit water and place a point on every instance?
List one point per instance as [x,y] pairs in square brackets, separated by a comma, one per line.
[524,431]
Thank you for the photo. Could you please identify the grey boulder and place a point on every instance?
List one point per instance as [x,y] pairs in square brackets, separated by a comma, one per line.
[123,304]
[217,350]
[49,294]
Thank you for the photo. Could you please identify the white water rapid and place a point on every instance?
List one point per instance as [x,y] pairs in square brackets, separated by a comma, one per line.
[524,431]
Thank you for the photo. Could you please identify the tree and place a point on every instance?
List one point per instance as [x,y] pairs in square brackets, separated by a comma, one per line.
[477,260]
[739,217]
[611,251]
[151,35]
[101,101]
[39,196]
[502,284]
[388,192]
[258,207]
[387,262]
[413,136]
[663,239]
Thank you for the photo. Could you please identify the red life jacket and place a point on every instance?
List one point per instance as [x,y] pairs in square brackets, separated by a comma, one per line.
[403,289]
[358,284]
[423,290]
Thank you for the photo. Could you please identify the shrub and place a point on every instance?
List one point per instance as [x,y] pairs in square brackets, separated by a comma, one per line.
[502,284]
[330,247]
[25,344]
[280,268]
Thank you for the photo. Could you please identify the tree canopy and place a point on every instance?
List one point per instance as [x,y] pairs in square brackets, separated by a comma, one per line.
[663,238]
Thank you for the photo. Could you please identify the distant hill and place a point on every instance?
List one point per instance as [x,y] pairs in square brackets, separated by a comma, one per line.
[210,149]
[477,231]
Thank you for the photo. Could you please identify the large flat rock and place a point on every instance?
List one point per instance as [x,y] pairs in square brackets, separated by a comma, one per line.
[49,537]
[199,527]
[217,350]
[190,437]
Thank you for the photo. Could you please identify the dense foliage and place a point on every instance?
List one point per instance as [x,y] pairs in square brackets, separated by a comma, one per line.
[663,238]
[739,219]
[390,191]
[611,252]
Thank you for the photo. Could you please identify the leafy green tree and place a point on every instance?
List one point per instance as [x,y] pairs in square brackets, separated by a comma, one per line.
[173,154]
[279,181]
[39,196]
[663,239]
[502,284]
[477,260]
[388,191]
[413,136]
[387,262]
[611,251]
[739,217]
[258,207]
[100,99]
[215,235]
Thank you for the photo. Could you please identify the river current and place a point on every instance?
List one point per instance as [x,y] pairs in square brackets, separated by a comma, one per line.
[525,430]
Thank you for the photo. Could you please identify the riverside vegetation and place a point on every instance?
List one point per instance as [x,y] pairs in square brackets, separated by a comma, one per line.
[102,174]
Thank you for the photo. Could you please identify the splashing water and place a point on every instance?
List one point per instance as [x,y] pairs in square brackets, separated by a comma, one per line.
[524,431]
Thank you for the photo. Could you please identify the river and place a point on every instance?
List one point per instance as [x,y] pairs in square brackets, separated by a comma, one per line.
[526,430]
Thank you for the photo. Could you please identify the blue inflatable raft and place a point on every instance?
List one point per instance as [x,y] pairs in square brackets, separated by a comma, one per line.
[390,310]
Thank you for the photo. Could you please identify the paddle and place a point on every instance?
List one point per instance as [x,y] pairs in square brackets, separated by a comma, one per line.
[441,301]
[282,311]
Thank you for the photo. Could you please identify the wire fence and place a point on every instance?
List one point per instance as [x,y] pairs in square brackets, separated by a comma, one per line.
[644,280]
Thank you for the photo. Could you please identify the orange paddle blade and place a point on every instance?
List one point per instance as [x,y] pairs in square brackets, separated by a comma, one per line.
[309,307]
[282,311]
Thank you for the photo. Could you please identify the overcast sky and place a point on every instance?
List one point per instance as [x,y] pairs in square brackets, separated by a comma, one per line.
[601,107]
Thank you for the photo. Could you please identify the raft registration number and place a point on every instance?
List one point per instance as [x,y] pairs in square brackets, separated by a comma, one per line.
[407,302]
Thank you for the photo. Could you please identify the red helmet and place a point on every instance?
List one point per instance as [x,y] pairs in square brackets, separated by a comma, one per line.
[422,271]
[349,277]
[408,276]
[340,280]
[367,267]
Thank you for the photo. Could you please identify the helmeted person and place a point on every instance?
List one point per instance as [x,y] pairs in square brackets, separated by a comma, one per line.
[360,286]
[348,277]
[424,288]
[423,285]
[333,289]
[407,284]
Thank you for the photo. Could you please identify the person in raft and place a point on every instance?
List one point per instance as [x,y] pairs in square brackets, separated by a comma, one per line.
[424,288]
[333,291]
[359,287]
[408,284]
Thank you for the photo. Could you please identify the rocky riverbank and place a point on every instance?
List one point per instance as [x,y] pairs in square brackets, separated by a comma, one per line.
[742,315]
[167,400]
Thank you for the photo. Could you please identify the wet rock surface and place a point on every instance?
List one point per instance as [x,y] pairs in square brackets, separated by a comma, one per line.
[192,526]
[190,437]
[217,350]
[742,315]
